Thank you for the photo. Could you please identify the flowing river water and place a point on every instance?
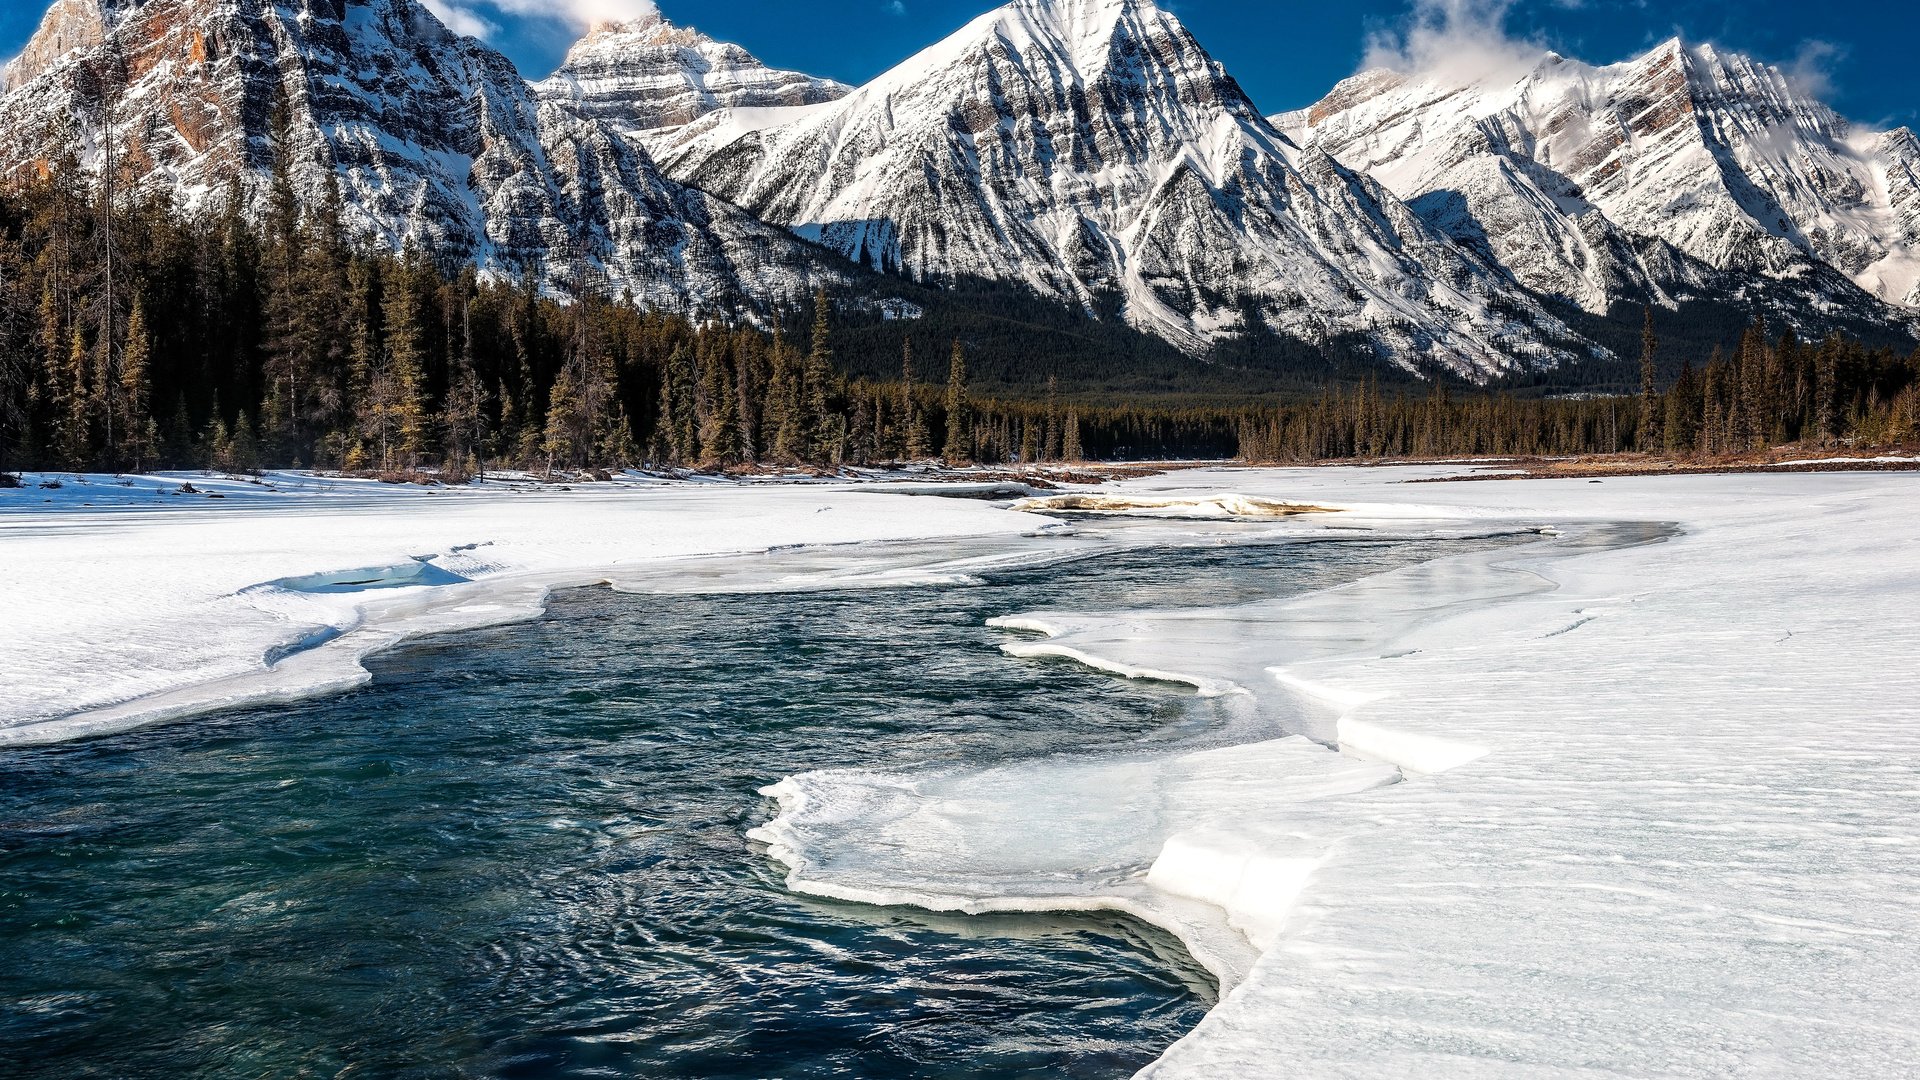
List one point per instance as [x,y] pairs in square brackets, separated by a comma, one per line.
[520,851]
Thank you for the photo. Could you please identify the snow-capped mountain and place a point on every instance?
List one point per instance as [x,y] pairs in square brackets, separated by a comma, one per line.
[1088,150]
[1093,151]
[1685,167]
[648,75]
[435,138]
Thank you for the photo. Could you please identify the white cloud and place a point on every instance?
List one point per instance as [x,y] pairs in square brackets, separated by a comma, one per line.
[1461,40]
[897,7]
[581,13]
[461,20]
[1811,72]
[462,16]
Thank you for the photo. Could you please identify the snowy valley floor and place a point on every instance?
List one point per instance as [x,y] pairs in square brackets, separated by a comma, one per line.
[1633,800]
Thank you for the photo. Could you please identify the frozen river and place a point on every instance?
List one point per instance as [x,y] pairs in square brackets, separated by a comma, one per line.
[521,850]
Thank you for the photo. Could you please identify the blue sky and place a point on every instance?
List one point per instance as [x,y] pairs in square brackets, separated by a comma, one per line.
[1285,54]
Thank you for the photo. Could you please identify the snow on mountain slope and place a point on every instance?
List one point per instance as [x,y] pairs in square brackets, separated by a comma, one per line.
[1093,151]
[1579,178]
[650,74]
[435,138]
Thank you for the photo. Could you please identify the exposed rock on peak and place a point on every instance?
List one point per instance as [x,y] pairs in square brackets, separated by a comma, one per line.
[68,27]
[648,75]
[1598,184]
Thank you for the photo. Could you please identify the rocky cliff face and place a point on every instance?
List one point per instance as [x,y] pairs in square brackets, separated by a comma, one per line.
[435,140]
[651,75]
[1686,166]
[1093,151]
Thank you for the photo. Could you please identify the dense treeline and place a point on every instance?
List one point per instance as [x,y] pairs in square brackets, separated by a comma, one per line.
[152,338]
[1766,392]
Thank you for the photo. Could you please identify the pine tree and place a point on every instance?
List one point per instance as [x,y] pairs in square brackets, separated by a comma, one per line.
[823,437]
[1050,443]
[679,424]
[720,406]
[959,445]
[1650,410]
[908,409]
[397,395]
[1070,440]
[785,405]
[1681,426]
[1826,378]
[136,389]
[75,438]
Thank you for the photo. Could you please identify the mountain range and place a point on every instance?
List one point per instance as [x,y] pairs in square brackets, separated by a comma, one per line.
[1087,154]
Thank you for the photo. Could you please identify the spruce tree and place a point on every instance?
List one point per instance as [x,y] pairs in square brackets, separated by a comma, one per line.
[1050,442]
[1650,411]
[719,405]
[136,389]
[785,405]
[959,445]
[75,438]
[679,423]
[465,414]
[1070,440]
[916,442]
[1681,426]
[823,437]
[908,408]
[1826,377]
[399,396]
[1715,433]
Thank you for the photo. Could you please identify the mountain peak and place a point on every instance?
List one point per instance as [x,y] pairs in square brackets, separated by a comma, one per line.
[1681,166]
[650,30]
[68,27]
[1114,166]
[648,75]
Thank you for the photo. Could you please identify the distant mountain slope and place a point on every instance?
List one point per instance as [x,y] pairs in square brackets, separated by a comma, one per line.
[435,139]
[1092,151]
[1686,171]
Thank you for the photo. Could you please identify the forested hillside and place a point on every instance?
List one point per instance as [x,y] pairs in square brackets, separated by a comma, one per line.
[151,338]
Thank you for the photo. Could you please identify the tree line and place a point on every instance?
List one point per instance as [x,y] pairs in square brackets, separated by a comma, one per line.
[1767,391]
[137,335]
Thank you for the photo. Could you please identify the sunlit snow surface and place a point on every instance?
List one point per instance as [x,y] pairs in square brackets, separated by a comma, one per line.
[128,601]
[1658,775]
[1659,814]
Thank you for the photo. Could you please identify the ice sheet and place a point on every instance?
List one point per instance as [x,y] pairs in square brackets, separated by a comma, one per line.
[128,600]
[1657,803]
[1657,815]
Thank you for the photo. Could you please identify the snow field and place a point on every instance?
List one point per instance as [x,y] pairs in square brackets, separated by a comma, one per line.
[148,605]
[1626,801]
[1656,810]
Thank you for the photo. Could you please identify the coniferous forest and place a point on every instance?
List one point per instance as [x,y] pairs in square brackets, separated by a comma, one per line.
[152,338]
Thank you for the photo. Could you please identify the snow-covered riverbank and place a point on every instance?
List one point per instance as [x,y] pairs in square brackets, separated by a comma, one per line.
[127,601]
[1656,799]
[1657,813]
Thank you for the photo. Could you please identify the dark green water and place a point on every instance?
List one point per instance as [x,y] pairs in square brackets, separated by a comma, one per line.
[520,852]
